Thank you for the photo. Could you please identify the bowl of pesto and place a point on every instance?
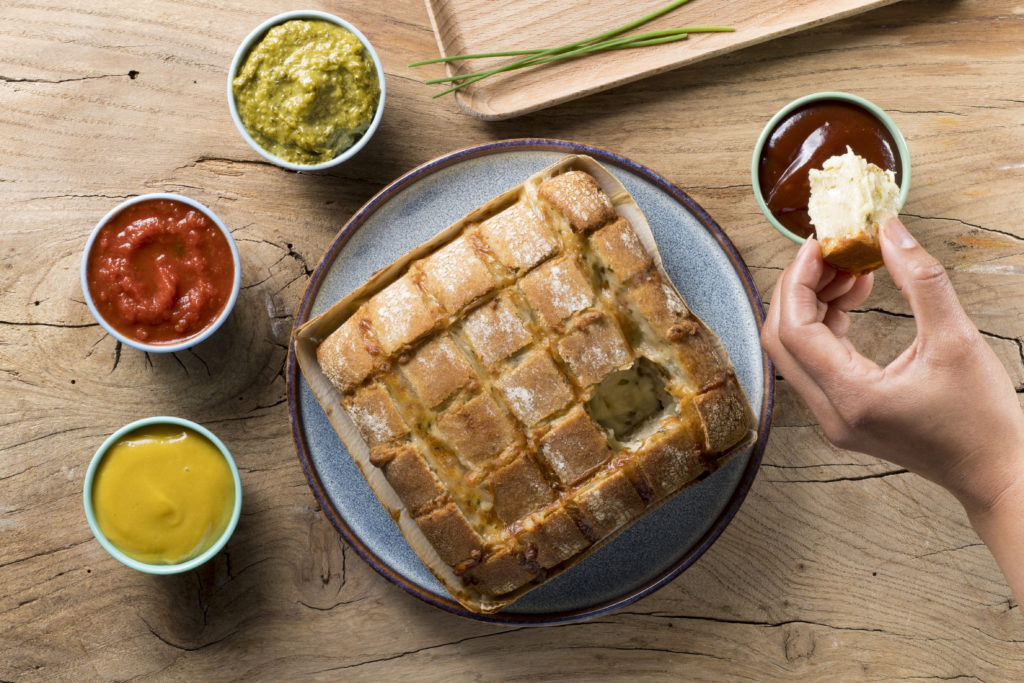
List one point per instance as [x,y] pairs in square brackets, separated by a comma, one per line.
[306,90]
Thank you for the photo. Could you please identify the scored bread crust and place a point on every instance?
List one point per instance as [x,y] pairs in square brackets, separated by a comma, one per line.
[467,371]
[855,254]
[849,198]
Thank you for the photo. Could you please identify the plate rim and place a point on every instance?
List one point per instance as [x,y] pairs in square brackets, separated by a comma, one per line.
[293,379]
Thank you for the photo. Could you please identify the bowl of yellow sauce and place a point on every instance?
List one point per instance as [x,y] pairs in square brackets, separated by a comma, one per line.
[162,495]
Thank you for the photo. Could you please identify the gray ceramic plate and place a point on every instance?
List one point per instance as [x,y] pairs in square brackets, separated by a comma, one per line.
[706,269]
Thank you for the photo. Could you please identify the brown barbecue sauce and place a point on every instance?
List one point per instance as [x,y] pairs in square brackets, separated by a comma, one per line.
[805,139]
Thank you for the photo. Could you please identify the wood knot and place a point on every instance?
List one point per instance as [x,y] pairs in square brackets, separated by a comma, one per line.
[799,644]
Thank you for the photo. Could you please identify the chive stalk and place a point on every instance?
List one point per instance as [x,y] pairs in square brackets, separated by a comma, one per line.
[608,40]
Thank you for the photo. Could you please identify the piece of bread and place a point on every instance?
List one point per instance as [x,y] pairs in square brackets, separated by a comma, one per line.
[529,387]
[849,200]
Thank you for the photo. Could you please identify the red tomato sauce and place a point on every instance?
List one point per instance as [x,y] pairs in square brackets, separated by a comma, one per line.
[160,271]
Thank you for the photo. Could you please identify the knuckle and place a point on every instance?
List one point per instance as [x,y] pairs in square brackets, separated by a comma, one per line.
[790,337]
[928,270]
[965,341]
[958,346]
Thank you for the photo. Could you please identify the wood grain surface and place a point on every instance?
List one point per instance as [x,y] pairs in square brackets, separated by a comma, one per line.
[473,27]
[837,566]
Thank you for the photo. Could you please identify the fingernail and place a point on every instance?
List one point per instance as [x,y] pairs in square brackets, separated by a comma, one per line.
[898,233]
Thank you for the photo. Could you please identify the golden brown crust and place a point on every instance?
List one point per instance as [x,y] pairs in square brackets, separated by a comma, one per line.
[477,429]
[577,196]
[344,356]
[534,389]
[695,350]
[437,370]
[552,539]
[558,289]
[501,572]
[401,314]
[660,304]
[574,447]
[856,254]
[518,237]
[519,488]
[607,505]
[724,415]
[670,458]
[621,249]
[496,330]
[375,415]
[694,345]
[451,535]
[456,276]
[594,349]
[408,473]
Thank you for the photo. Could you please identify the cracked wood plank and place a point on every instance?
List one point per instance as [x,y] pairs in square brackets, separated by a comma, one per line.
[837,566]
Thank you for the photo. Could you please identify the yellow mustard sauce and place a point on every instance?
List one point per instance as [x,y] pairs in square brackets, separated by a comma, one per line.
[163,494]
[307,91]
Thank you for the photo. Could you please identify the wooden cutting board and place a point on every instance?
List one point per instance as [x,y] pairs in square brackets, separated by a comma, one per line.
[476,26]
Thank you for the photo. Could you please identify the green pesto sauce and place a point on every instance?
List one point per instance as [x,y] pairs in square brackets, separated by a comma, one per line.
[307,91]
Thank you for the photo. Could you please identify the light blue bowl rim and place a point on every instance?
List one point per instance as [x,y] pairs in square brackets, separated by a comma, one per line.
[243,52]
[879,113]
[161,568]
[185,343]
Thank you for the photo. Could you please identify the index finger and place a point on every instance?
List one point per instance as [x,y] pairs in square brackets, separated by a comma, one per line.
[823,356]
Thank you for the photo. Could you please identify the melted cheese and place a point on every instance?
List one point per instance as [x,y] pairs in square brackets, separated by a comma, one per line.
[629,399]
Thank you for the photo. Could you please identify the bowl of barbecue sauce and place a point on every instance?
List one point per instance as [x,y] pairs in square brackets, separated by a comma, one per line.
[803,135]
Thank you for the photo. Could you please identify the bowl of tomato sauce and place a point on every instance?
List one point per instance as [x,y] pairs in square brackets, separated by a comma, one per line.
[161,272]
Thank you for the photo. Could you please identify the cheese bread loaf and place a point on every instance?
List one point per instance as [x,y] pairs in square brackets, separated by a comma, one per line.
[532,386]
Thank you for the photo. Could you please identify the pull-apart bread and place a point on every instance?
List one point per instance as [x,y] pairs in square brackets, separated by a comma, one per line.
[528,384]
[850,198]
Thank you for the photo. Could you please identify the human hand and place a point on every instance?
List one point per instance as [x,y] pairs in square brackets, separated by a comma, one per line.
[945,408]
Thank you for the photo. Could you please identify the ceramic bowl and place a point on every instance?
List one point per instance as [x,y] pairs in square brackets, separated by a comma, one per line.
[168,347]
[884,118]
[243,52]
[192,563]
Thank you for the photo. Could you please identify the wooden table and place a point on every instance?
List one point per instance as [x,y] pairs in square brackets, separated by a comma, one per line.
[837,565]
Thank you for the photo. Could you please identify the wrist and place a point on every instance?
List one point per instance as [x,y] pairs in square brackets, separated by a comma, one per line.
[991,509]
[1000,524]
[989,478]
[993,491]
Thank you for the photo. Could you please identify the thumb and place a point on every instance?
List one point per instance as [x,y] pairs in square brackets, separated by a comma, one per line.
[922,280]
